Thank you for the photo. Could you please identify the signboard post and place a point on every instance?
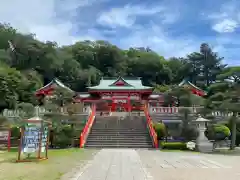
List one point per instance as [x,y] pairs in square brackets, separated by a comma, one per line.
[5,138]
[34,140]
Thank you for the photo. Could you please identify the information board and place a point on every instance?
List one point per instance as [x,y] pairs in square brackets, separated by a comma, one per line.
[31,139]
[34,139]
[44,139]
[4,135]
[4,138]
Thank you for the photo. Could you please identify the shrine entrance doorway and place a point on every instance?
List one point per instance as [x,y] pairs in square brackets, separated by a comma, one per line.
[120,105]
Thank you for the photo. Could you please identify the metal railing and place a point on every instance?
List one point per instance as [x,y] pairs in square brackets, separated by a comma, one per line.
[150,127]
[87,127]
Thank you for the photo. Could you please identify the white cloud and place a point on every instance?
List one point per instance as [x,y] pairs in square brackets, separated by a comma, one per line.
[126,16]
[40,17]
[227,19]
[227,25]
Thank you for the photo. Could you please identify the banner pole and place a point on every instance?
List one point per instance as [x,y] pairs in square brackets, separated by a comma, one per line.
[20,143]
[9,139]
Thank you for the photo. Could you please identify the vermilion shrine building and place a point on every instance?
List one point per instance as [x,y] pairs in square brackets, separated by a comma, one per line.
[126,94]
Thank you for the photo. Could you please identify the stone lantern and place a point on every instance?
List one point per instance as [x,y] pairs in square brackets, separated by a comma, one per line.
[203,144]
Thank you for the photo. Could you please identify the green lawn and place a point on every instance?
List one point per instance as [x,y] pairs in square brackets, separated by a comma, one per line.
[59,163]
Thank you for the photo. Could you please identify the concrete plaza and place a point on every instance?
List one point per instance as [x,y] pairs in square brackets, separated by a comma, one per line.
[143,164]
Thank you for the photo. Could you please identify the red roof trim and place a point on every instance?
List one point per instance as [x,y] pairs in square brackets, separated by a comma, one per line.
[121,91]
[120,82]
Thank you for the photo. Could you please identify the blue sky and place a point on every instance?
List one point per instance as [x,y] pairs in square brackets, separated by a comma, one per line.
[170,27]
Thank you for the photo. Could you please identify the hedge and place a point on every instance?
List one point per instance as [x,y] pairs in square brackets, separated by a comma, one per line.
[173,145]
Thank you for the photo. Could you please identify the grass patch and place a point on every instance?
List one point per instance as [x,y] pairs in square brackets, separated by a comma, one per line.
[228,152]
[176,150]
[59,163]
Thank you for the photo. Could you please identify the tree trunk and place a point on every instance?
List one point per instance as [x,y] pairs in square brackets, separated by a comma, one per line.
[73,137]
[234,132]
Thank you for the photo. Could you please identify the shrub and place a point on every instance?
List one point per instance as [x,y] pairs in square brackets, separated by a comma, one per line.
[173,145]
[222,129]
[62,136]
[189,133]
[238,139]
[217,132]
[160,129]
[15,132]
[62,141]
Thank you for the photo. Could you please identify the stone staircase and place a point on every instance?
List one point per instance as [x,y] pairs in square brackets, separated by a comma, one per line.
[119,132]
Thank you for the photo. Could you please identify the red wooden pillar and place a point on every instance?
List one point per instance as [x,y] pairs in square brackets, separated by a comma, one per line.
[113,105]
[129,103]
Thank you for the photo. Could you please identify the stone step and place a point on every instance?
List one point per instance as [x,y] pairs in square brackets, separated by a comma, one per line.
[130,132]
[118,140]
[122,140]
[138,138]
[120,122]
[119,132]
[118,135]
[120,127]
[119,145]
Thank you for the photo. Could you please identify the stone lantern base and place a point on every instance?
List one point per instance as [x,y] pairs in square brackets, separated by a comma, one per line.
[203,144]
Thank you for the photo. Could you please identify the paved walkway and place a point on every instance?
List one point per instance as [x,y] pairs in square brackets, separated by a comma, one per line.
[130,164]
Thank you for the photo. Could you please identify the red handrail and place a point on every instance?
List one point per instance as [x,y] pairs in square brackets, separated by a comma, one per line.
[87,127]
[150,126]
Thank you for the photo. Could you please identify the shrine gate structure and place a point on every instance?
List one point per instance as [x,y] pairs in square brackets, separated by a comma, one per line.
[120,94]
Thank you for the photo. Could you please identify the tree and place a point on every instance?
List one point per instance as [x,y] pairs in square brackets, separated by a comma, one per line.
[185,100]
[10,87]
[179,69]
[225,97]
[62,110]
[3,120]
[211,64]
[203,67]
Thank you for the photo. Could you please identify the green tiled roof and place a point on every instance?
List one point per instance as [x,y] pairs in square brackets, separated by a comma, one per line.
[130,84]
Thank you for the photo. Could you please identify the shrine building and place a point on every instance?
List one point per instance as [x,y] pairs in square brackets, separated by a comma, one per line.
[126,94]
